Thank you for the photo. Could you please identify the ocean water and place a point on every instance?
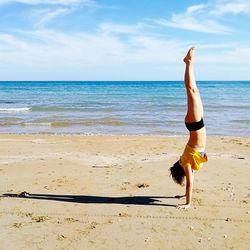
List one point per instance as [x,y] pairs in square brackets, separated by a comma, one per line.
[124,108]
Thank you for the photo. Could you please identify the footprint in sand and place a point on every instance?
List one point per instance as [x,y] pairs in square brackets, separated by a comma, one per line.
[61,237]
[17,225]
[40,218]
[238,157]
[142,185]
[71,220]
[93,225]
[243,202]
[124,215]
[197,201]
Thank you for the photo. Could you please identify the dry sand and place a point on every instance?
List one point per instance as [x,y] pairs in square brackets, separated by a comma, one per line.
[114,192]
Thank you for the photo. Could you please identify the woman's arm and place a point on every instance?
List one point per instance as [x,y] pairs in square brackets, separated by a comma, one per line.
[189,187]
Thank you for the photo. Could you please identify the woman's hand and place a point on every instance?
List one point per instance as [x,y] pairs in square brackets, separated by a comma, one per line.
[185,206]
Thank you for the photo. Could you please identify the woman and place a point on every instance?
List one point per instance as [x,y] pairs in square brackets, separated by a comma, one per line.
[194,154]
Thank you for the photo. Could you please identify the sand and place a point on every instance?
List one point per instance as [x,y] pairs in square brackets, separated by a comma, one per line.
[114,192]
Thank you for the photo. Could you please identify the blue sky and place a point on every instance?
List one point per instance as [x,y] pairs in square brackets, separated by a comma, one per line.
[123,39]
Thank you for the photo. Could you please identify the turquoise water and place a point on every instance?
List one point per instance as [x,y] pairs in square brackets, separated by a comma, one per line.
[120,107]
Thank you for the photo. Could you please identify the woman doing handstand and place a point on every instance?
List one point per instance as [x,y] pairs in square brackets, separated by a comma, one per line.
[194,154]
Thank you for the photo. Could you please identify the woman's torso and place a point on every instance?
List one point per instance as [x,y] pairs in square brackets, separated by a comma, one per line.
[197,139]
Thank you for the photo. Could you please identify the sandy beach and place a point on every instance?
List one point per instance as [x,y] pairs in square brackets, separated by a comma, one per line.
[114,192]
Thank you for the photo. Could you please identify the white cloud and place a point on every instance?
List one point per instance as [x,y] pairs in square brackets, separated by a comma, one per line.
[42,12]
[195,8]
[50,48]
[9,43]
[152,50]
[199,18]
[231,7]
[45,16]
[54,55]
[191,23]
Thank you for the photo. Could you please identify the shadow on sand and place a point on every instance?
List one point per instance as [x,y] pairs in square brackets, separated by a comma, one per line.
[87,199]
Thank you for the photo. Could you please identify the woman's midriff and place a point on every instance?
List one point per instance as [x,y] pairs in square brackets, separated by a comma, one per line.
[197,139]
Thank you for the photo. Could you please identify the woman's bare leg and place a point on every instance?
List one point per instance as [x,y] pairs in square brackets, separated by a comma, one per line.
[194,103]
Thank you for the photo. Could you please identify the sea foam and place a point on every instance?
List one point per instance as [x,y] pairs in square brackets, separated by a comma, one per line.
[14,110]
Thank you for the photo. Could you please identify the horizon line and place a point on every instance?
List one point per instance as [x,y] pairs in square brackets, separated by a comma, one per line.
[121,80]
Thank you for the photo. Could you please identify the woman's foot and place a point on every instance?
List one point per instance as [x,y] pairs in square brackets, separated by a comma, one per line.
[190,56]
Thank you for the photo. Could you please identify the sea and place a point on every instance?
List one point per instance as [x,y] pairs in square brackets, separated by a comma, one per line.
[121,107]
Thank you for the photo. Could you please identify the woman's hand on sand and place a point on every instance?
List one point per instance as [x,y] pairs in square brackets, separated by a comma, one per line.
[185,207]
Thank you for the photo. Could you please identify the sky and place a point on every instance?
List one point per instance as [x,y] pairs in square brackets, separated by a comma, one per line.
[123,39]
